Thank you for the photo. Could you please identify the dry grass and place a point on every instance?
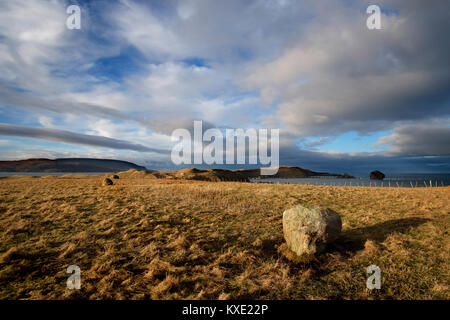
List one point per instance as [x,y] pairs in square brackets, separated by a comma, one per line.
[173,239]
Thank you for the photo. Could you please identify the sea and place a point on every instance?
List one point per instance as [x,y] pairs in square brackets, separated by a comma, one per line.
[393,180]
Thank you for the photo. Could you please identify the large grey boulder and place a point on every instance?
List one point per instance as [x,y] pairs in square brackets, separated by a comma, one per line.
[307,230]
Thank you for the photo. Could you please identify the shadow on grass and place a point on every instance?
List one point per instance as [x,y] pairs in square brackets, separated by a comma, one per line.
[353,240]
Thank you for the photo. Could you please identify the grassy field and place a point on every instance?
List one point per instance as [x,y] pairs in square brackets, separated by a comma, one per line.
[174,239]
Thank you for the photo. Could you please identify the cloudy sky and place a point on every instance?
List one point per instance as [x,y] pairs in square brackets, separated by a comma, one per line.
[344,97]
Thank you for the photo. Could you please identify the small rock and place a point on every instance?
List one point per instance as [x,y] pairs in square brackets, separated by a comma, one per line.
[378,175]
[107,182]
[115,176]
[307,230]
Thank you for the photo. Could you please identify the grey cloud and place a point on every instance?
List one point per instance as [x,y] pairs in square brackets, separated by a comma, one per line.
[354,163]
[362,162]
[418,140]
[32,102]
[340,76]
[221,31]
[167,126]
[73,138]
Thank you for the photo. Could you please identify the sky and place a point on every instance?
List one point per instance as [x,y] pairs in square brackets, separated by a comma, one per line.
[345,98]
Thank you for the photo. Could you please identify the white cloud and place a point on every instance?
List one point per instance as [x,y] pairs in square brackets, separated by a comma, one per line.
[4,142]
[46,122]
[32,33]
[311,68]
[137,24]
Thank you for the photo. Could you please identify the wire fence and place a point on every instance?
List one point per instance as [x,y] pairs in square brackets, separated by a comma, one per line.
[388,183]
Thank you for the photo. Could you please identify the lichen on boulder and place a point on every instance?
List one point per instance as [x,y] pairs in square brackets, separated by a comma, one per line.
[307,230]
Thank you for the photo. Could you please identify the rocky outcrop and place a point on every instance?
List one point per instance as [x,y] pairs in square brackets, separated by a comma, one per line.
[377,175]
[287,172]
[307,230]
[216,175]
[209,175]
[283,172]
[241,175]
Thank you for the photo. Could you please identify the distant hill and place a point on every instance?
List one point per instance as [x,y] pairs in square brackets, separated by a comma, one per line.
[241,175]
[68,165]
[283,172]
[131,170]
[289,172]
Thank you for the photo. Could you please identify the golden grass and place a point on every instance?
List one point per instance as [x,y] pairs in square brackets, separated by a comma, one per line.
[173,239]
